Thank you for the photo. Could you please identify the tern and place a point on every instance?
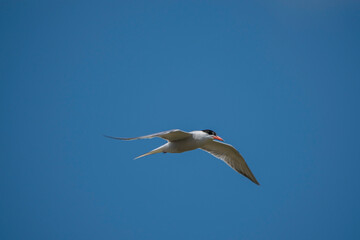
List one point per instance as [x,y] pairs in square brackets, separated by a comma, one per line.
[179,141]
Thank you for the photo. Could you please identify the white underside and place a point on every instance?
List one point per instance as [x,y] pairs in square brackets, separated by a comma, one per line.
[185,145]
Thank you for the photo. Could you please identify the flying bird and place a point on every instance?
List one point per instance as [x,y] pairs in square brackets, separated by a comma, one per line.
[179,141]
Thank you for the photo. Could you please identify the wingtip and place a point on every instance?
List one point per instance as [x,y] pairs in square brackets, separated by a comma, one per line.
[116,138]
[255,181]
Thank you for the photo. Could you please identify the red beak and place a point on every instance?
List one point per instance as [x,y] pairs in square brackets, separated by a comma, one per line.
[218,138]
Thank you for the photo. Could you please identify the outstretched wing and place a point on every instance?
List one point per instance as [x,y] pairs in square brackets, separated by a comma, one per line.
[230,156]
[171,136]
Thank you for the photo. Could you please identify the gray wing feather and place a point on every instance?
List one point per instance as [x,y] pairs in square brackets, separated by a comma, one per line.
[171,135]
[230,156]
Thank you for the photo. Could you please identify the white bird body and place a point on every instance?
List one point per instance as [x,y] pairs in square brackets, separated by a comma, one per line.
[180,141]
[196,140]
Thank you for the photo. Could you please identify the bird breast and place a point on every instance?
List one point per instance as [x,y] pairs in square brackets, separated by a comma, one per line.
[186,145]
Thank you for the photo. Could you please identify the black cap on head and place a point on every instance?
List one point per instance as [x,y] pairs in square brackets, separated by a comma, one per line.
[210,132]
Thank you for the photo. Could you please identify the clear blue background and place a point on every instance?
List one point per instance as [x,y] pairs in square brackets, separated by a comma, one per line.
[280,81]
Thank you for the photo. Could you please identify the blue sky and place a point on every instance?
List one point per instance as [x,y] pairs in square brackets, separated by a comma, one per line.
[277,80]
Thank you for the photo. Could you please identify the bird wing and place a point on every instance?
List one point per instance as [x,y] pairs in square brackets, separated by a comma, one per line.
[230,156]
[171,135]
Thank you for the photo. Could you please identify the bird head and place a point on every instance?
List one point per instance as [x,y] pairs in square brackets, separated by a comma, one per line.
[213,134]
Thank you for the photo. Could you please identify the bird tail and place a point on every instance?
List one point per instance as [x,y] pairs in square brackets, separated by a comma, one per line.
[156,150]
